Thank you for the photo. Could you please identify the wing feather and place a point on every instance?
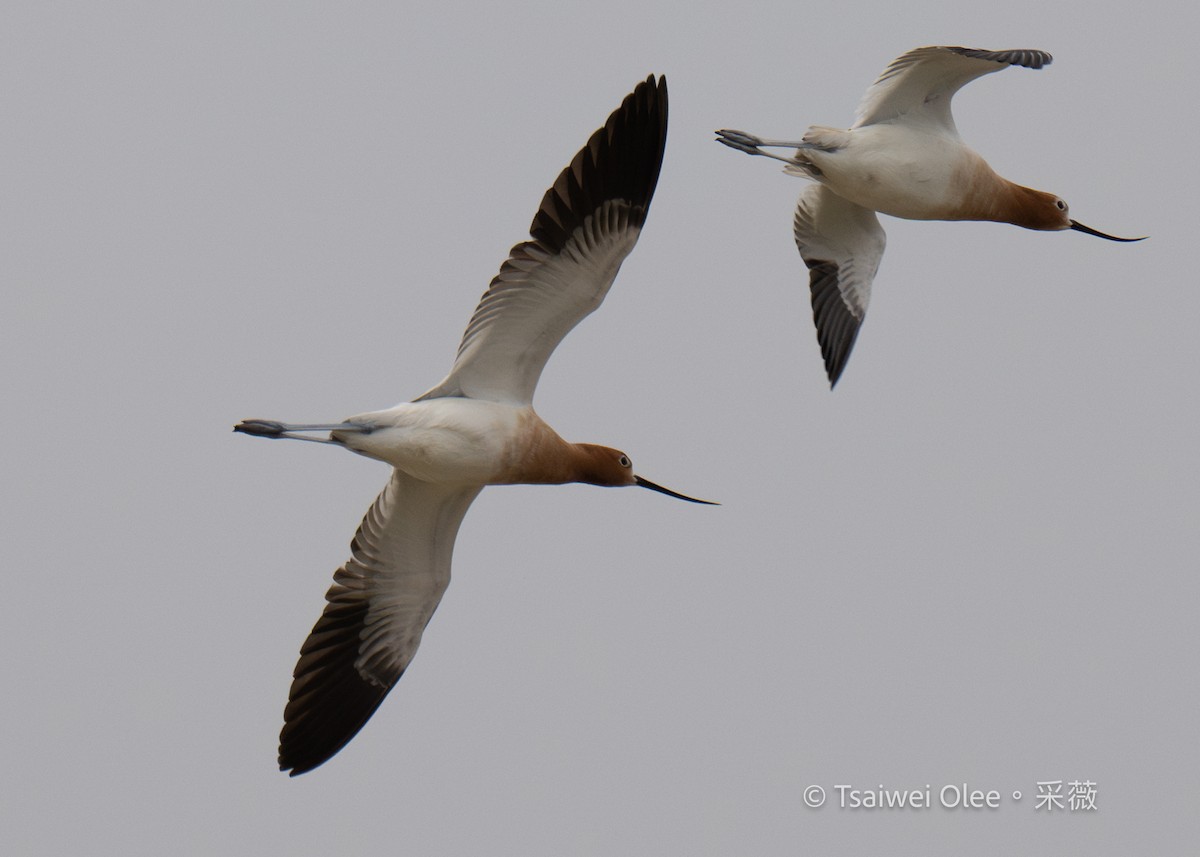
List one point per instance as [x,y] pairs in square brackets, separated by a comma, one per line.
[842,245]
[588,222]
[378,607]
[918,85]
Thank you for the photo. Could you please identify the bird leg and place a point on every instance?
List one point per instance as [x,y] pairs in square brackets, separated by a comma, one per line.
[275,430]
[753,145]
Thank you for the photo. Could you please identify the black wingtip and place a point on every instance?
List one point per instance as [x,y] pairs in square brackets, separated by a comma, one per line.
[328,724]
[329,701]
[837,327]
[621,160]
[1024,57]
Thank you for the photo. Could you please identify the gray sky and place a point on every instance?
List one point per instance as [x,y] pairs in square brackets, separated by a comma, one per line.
[975,562]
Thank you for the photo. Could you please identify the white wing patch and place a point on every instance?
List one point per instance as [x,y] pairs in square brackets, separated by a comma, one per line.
[535,301]
[919,85]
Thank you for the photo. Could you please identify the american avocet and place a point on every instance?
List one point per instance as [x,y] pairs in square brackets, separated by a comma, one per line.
[475,428]
[902,156]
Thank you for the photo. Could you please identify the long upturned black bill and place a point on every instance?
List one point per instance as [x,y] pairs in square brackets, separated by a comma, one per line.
[646,483]
[1079,227]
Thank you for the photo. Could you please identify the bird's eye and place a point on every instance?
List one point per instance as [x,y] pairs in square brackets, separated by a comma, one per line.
[1062,206]
[624,461]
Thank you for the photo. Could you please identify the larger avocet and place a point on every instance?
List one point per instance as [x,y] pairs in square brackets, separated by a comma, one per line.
[475,428]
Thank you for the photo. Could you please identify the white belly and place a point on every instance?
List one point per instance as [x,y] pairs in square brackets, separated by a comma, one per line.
[899,171]
[448,440]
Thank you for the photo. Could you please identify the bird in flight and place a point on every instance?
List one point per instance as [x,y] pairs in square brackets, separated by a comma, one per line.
[903,156]
[476,427]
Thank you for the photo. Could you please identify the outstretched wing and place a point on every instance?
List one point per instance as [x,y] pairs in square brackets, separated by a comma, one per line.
[587,224]
[379,604]
[918,85]
[842,244]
